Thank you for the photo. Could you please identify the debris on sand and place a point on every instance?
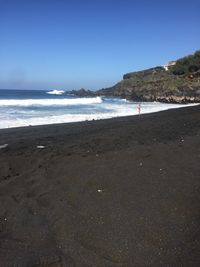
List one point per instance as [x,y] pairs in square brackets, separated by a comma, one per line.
[3,146]
[40,147]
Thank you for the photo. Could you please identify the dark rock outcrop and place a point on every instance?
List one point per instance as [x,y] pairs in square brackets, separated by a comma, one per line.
[163,87]
[82,92]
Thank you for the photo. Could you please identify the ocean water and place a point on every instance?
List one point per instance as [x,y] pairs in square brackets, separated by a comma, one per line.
[34,107]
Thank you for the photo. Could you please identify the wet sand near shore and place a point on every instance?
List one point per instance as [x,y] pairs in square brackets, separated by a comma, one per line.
[119,192]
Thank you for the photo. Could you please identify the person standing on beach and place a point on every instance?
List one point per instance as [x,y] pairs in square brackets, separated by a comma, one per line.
[139,108]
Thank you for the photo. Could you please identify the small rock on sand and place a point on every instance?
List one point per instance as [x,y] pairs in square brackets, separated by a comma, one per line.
[40,147]
[3,146]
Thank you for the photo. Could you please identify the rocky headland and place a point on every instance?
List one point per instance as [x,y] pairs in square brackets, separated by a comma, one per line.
[176,82]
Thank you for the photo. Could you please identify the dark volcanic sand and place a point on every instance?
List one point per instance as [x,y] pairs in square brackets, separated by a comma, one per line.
[120,192]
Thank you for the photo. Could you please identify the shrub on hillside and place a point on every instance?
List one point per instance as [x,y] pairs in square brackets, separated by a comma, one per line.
[187,64]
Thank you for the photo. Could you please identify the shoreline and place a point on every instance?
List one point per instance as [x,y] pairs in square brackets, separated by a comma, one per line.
[115,192]
[102,119]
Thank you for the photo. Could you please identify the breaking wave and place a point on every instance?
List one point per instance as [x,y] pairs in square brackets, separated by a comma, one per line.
[50,102]
[56,92]
[66,118]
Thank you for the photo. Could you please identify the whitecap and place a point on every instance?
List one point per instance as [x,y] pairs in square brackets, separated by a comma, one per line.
[56,92]
[50,102]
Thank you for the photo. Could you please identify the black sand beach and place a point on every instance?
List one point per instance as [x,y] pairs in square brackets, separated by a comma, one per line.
[118,192]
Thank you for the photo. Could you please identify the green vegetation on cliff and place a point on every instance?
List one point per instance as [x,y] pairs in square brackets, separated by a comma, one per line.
[187,64]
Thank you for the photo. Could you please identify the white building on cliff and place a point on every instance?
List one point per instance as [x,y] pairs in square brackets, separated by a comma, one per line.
[171,63]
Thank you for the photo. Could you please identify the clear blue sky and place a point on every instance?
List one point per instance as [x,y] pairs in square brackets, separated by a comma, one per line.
[61,44]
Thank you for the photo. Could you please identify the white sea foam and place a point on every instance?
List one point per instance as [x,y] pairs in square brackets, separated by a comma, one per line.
[50,102]
[117,111]
[56,92]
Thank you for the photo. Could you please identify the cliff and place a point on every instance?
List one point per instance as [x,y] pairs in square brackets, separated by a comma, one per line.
[176,82]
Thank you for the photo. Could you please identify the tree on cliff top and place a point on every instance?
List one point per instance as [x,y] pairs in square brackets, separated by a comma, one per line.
[187,64]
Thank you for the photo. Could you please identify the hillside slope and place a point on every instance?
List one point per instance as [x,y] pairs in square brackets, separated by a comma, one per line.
[177,82]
